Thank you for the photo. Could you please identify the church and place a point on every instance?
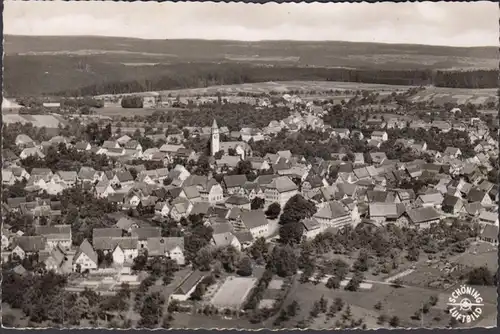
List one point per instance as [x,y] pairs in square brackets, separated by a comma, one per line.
[242,149]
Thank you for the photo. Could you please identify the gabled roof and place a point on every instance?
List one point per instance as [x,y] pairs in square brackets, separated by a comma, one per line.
[143,233]
[476,195]
[158,246]
[191,192]
[435,198]
[125,223]
[332,210]
[490,231]
[106,243]
[282,184]
[388,210]
[30,243]
[189,282]
[232,181]
[311,224]
[106,232]
[237,200]
[473,208]
[489,216]
[451,201]
[423,215]
[253,219]
[200,208]
[87,249]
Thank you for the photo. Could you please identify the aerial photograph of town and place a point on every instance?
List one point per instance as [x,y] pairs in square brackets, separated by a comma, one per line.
[242,166]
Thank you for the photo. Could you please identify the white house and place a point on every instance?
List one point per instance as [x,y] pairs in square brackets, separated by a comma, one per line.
[126,250]
[85,258]
[171,247]
[187,286]
[380,136]
[280,190]
[256,222]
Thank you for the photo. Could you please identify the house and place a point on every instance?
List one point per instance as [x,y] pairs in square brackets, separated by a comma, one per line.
[238,201]
[54,260]
[85,258]
[453,152]
[171,247]
[312,184]
[32,152]
[380,136]
[83,146]
[280,190]
[452,204]
[23,246]
[23,141]
[103,189]
[252,190]
[341,133]
[430,200]
[490,234]
[476,195]
[69,178]
[226,239]
[8,177]
[126,224]
[311,228]
[144,233]
[378,157]
[359,159]
[180,207]
[386,212]
[162,209]
[187,286]
[191,193]
[256,222]
[488,218]
[110,144]
[55,235]
[234,183]
[125,250]
[105,233]
[20,174]
[258,163]
[133,145]
[472,209]
[333,214]
[405,196]
[122,178]
[423,217]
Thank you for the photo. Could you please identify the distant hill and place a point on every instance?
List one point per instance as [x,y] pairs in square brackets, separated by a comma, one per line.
[50,64]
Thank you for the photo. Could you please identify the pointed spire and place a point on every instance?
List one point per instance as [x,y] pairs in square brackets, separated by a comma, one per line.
[214,125]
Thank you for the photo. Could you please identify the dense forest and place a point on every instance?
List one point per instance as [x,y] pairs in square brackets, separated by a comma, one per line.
[84,76]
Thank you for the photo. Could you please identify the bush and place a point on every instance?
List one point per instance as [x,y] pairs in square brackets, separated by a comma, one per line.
[132,102]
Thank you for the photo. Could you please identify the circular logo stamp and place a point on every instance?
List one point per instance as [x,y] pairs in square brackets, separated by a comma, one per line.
[465,303]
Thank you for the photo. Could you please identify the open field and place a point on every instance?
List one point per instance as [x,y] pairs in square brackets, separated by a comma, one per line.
[283,87]
[233,292]
[440,96]
[402,302]
[118,111]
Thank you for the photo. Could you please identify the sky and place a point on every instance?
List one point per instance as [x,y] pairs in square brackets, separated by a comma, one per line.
[442,23]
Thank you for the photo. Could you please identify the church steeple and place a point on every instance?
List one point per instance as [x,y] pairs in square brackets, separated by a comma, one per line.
[214,140]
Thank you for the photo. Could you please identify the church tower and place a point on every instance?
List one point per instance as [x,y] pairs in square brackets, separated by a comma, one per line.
[215,141]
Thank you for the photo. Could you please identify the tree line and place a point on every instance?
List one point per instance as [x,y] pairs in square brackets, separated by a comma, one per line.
[204,75]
